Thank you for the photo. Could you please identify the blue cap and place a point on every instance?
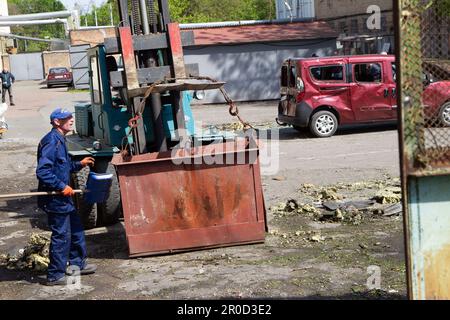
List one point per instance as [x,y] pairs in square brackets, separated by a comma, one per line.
[60,113]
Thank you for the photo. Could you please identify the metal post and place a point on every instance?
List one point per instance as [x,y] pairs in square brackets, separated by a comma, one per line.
[160,137]
[135,17]
[165,13]
[144,17]
[152,16]
[177,100]
[95,16]
[111,14]
[123,12]
[140,142]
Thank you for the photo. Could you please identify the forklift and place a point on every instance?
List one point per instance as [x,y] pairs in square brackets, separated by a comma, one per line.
[140,128]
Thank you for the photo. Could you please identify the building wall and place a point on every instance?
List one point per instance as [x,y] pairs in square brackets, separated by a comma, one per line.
[91,36]
[55,59]
[251,71]
[340,8]
[350,17]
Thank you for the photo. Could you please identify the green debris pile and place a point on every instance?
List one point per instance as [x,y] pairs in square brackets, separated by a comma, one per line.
[345,214]
[321,193]
[299,235]
[367,185]
[33,257]
[336,204]
[329,194]
[233,126]
[292,207]
[389,195]
[349,215]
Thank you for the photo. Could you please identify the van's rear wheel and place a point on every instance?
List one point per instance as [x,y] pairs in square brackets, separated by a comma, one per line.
[323,124]
[444,115]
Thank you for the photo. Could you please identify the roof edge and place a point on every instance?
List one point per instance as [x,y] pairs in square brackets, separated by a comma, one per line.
[190,26]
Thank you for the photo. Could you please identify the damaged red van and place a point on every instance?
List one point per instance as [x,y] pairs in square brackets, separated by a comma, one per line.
[324,93]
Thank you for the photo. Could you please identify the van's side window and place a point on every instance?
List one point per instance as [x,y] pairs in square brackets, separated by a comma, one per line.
[328,73]
[284,76]
[292,76]
[368,72]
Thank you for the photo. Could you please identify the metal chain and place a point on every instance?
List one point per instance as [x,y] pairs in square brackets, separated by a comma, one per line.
[233,109]
[133,122]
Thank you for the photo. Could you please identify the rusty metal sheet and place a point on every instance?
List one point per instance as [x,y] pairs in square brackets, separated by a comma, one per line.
[171,207]
[429,237]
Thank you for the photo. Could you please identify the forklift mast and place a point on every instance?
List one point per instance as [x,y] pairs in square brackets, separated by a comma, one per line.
[151,47]
[172,196]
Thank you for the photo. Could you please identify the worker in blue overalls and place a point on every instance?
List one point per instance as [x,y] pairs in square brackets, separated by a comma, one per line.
[53,171]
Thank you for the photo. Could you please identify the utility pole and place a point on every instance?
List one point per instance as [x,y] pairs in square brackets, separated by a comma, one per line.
[111,14]
[95,16]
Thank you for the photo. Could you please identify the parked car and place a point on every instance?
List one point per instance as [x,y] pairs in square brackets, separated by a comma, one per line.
[324,93]
[59,76]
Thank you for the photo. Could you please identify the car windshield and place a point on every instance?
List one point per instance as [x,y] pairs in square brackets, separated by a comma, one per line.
[58,70]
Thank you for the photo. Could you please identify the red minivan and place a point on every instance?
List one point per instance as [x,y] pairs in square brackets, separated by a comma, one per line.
[324,93]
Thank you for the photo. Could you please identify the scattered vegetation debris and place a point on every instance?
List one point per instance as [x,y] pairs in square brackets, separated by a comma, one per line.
[329,194]
[320,193]
[307,186]
[389,195]
[34,256]
[327,203]
[317,238]
[293,207]
[233,126]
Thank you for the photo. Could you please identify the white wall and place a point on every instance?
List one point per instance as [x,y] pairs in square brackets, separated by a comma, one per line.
[4,12]
[251,71]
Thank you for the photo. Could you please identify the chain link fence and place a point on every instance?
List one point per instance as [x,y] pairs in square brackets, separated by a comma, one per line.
[425,81]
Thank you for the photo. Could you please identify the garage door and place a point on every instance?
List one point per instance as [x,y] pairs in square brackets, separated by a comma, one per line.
[80,67]
[27,66]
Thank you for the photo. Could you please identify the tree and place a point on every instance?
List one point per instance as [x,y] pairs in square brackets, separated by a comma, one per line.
[103,13]
[16,7]
[442,7]
[195,11]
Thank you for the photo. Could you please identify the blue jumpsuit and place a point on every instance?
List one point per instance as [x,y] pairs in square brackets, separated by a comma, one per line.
[54,167]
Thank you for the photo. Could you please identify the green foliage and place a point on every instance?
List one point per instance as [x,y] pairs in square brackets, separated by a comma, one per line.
[194,11]
[103,13]
[443,7]
[39,31]
[182,11]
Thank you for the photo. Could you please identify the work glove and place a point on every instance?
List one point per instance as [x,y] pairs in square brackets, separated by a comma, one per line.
[88,161]
[68,191]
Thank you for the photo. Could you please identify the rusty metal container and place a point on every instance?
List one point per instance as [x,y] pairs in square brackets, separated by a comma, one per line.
[180,201]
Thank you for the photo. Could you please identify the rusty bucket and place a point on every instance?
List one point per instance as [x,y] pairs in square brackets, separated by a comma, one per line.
[209,196]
